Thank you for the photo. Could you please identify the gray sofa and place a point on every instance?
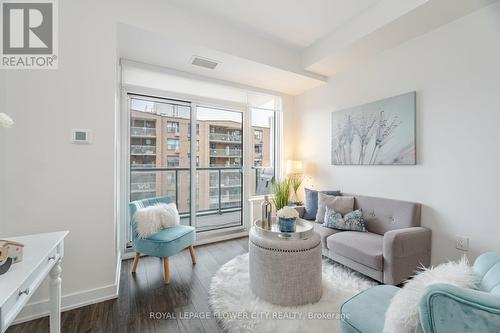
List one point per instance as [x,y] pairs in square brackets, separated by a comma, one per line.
[392,249]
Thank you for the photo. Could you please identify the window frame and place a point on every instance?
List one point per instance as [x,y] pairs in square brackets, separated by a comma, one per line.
[124,153]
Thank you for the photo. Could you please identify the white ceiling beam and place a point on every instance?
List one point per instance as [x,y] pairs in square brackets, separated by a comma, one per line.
[382,27]
[180,25]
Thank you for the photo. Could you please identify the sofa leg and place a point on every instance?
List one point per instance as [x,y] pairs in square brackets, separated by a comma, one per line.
[166,270]
[136,261]
[193,254]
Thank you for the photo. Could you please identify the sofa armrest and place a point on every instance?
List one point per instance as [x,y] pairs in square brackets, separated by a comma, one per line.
[447,308]
[301,210]
[404,250]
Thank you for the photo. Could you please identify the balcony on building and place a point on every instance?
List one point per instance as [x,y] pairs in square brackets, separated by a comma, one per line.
[142,132]
[142,150]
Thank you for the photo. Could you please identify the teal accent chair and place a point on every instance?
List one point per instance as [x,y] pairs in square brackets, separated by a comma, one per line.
[164,243]
[443,308]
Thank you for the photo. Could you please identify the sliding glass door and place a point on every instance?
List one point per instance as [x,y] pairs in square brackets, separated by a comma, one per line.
[159,151]
[219,168]
[167,153]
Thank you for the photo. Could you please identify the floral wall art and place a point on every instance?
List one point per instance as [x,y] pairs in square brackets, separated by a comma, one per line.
[377,133]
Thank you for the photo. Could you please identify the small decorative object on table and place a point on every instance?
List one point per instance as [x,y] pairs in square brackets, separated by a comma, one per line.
[286,218]
[10,253]
[267,209]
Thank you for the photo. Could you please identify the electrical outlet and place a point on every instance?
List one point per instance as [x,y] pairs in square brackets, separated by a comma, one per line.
[462,243]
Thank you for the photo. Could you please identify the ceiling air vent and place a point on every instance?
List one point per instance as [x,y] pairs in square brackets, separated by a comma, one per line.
[204,62]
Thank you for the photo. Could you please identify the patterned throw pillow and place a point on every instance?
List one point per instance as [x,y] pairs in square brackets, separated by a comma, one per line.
[351,221]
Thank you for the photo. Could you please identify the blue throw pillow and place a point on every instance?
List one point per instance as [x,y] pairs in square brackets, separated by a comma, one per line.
[311,202]
[351,221]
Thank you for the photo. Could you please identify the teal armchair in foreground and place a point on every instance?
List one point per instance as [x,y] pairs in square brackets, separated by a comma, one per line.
[443,308]
[164,243]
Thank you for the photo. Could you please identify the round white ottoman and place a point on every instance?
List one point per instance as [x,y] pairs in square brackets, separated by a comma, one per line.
[285,272]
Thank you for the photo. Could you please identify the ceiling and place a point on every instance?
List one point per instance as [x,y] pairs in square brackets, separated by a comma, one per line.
[287,46]
[298,23]
[175,54]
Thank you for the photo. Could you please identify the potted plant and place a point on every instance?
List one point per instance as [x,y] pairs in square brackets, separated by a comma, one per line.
[287,216]
[281,191]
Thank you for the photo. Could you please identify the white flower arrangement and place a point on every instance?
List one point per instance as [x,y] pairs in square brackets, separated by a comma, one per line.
[5,121]
[288,213]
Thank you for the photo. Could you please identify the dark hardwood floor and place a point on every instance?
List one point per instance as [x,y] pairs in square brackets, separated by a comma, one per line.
[145,293]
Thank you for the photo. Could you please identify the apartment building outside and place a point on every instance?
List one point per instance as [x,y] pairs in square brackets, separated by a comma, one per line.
[162,140]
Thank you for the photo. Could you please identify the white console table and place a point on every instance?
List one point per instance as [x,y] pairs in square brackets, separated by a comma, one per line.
[42,256]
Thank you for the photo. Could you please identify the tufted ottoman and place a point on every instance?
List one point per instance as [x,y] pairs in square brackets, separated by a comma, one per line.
[285,272]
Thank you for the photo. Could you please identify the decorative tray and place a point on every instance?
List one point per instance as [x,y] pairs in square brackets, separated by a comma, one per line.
[303,230]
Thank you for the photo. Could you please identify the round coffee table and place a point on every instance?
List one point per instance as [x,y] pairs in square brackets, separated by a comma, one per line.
[285,269]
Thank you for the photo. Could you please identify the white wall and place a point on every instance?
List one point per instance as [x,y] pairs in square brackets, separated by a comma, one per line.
[456,73]
[49,184]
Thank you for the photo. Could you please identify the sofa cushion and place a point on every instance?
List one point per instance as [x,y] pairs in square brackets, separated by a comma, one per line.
[311,202]
[324,233]
[341,204]
[362,247]
[351,221]
[382,215]
[373,301]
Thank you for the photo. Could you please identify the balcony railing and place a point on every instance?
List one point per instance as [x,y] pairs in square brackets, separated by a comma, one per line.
[142,187]
[142,150]
[221,199]
[142,131]
[148,165]
[225,182]
[225,198]
[225,137]
[225,152]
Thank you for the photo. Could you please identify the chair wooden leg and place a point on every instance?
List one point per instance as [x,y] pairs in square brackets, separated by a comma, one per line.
[136,261]
[166,270]
[193,254]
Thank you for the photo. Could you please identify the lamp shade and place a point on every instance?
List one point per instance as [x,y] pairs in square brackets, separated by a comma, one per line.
[294,167]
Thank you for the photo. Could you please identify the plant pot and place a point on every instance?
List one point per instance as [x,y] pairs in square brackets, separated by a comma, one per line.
[287,225]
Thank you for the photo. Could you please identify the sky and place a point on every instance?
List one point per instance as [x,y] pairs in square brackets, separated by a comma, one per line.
[260,117]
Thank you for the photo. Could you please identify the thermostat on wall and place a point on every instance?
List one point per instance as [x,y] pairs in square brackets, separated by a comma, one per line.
[80,136]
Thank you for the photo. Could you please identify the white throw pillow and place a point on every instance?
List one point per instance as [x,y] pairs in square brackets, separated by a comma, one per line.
[340,204]
[402,313]
[169,215]
[149,220]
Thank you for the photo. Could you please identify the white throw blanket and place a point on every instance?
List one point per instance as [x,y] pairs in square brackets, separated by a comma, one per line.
[402,314]
[151,219]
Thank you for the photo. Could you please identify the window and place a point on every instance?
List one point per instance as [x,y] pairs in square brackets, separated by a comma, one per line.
[173,144]
[263,124]
[172,127]
[171,178]
[257,134]
[197,128]
[172,161]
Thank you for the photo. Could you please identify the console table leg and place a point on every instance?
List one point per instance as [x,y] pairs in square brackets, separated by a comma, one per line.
[55,298]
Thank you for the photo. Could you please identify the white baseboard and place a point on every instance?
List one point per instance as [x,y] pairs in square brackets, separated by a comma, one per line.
[72,301]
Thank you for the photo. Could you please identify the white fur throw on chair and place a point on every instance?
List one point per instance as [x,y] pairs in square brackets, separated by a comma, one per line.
[151,219]
[402,314]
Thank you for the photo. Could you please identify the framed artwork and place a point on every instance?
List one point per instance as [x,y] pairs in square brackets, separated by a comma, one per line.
[377,133]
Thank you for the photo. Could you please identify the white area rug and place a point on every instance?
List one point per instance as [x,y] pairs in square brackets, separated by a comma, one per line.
[239,310]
